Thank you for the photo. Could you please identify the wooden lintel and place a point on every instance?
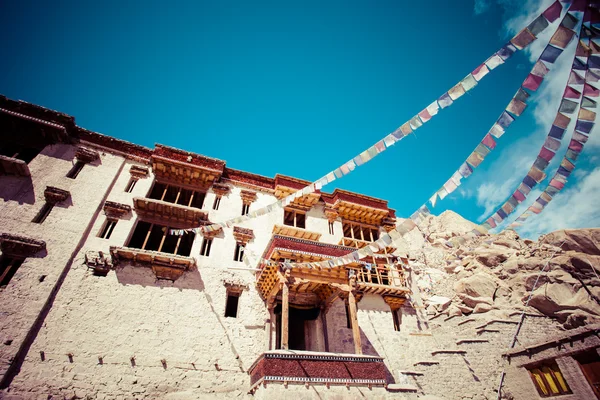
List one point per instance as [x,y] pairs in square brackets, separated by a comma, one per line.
[341,286]
[301,277]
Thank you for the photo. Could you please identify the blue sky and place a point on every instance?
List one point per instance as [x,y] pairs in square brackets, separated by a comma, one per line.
[298,88]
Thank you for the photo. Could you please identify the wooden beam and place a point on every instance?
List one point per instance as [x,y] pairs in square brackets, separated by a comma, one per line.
[285,315]
[300,277]
[354,323]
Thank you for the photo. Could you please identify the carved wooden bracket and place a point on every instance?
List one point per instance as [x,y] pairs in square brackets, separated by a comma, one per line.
[138,172]
[220,189]
[20,246]
[55,195]
[248,197]
[388,223]
[242,235]
[86,155]
[100,262]
[331,214]
[394,302]
[235,286]
[116,210]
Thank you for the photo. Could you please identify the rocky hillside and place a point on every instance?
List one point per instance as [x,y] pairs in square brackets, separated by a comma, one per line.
[496,273]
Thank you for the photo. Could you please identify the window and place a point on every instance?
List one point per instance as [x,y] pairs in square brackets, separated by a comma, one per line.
[155,237]
[589,362]
[19,152]
[8,267]
[348,323]
[130,185]
[206,245]
[76,169]
[331,228]
[231,307]
[108,228]
[294,218]
[43,213]
[217,203]
[360,232]
[548,380]
[177,195]
[239,252]
[245,209]
[397,317]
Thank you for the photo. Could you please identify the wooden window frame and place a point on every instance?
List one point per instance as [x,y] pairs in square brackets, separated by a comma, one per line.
[75,169]
[295,213]
[41,216]
[107,228]
[12,265]
[206,246]
[162,240]
[179,189]
[553,368]
[238,255]
[131,185]
[217,202]
[331,230]
[232,294]
[245,208]
[396,318]
[361,229]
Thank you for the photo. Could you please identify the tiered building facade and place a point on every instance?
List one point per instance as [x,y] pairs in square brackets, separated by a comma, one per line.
[100,301]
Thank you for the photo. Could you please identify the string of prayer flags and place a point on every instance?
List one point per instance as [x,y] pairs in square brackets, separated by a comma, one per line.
[562,37]
[550,54]
[481,71]
[553,12]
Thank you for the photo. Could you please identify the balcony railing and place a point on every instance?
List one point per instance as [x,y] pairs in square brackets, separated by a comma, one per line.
[381,278]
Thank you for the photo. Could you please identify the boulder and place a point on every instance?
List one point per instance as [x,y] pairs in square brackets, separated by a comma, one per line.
[471,301]
[478,285]
[454,311]
[581,240]
[482,308]
[492,257]
[511,244]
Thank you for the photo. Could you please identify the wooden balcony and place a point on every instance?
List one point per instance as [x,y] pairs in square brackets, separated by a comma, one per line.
[13,166]
[165,265]
[381,280]
[359,244]
[286,230]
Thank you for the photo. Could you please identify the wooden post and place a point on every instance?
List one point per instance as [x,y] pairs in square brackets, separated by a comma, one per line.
[285,315]
[354,323]
[269,325]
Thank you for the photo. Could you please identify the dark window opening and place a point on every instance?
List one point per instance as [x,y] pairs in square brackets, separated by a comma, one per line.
[217,203]
[8,267]
[206,245]
[108,228]
[231,307]
[75,170]
[348,323]
[43,213]
[130,185]
[589,362]
[177,195]
[154,237]
[548,379]
[397,319]
[294,218]
[331,232]
[245,209]
[19,152]
[239,252]
[360,232]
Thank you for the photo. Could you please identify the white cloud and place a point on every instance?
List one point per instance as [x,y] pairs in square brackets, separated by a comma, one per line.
[574,207]
[481,6]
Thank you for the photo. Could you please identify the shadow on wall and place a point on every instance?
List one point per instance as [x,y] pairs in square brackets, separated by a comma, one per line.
[17,188]
[128,274]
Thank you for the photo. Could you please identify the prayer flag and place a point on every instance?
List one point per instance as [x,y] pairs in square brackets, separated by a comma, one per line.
[450,186]
[571,93]
[474,160]
[550,54]
[560,178]
[557,184]
[513,201]
[580,137]
[575,79]
[546,197]
[494,61]
[445,100]
[519,196]
[522,39]
[583,50]
[507,51]
[497,131]
[584,126]
[501,214]
[561,121]
[442,193]
[586,115]
[590,91]
[567,106]
[380,146]
[497,218]
[523,188]
[568,165]
[516,107]
[468,82]
[482,150]
[594,47]
[578,5]
[578,64]
[588,103]
[575,146]
[456,92]
[553,12]
[563,171]
[569,21]
[489,141]
[424,115]
[415,123]
[541,163]
[508,208]
[521,95]
[398,134]
[505,120]
[540,69]
[538,25]
[433,199]
[330,177]
[456,177]
[372,151]
[480,72]
[532,82]
[529,181]
[490,221]
[433,108]
[562,37]
[389,140]
[542,201]
[552,144]
[465,170]
[594,61]
[536,174]
[572,155]
[552,191]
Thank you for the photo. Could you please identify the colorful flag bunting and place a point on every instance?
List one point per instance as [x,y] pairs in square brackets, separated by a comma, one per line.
[497,131]
[474,159]
[494,61]
[516,107]
[480,72]
[523,188]
[571,93]
[588,103]
[586,115]
[570,21]
[456,92]
[482,150]
[489,141]
[540,69]
[550,54]
[562,121]
[556,132]
[529,181]
[584,126]
[465,170]
[523,39]
[590,91]
[562,37]
[541,163]
[553,12]
[580,137]
[538,25]
[507,51]
[567,106]
[532,82]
